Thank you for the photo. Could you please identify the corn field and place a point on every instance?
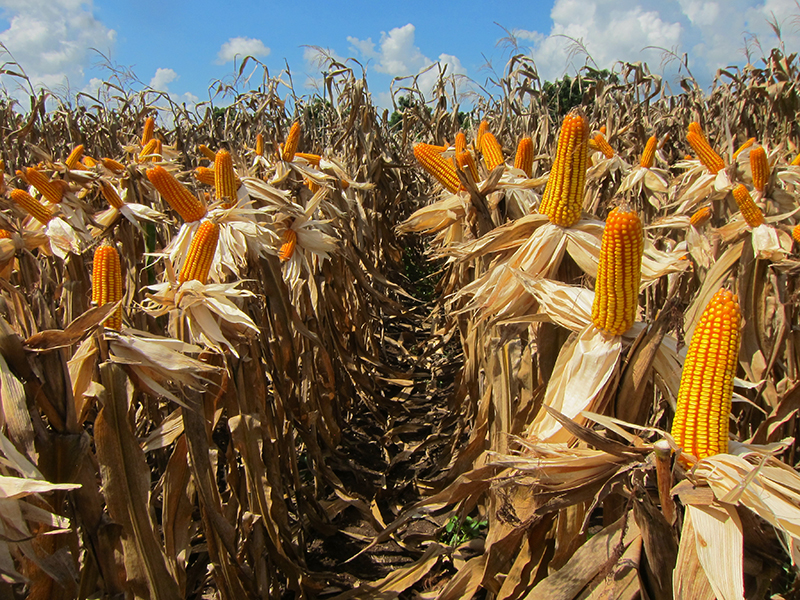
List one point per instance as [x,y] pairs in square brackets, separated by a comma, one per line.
[520,350]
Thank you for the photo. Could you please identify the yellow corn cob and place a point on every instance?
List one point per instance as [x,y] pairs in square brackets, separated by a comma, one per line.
[224,178]
[292,141]
[113,165]
[207,152]
[461,142]
[704,399]
[796,161]
[603,145]
[465,160]
[5,234]
[151,150]
[107,282]
[148,130]
[759,166]
[492,152]
[433,162]
[603,129]
[32,206]
[712,161]
[52,192]
[74,157]
[482,129]
[204,175]
[289,243]
[701,216]
[89,162]
[176,195]
[744,147]
[750,211]
[312,159]
[694,127]
[563,197]
[619,272]
[259,145]
[111,195]
[524,158]
[311,185]
[649,153]
[796,233]
[201,253]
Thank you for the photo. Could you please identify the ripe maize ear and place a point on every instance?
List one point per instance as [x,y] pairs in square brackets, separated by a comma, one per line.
[603,145]
[151,151]
[89,162]
[5,234]
[53,192]
[759,167]
[796,233]
[704,398]
[461,142]
[111,195]
[107,282]
[32,206]
[492,151]
[619,272]
[289,244]
[292,141]
[435,164]
[260,145]
[204,175]
[523,159]
[113,165]
[224,178]
[563,197]
[74,157]
[464,161]
[207,152]
[176,195]
[482,129]
[710,159]
[649,153]
[796,161]
[701,216]
[744,147]
[312,159]
[694,127]
[750,211]
[148,130]
[201,253]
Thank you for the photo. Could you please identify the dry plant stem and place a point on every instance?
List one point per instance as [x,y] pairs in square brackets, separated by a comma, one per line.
[663,454]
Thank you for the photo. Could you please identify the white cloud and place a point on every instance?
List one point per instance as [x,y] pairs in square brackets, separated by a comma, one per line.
[162,79]
[239,47]
[52,39]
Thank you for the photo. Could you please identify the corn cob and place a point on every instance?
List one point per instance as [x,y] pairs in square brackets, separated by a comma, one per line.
[796,233]
[51,191]
[796,161]
[464,161]
[619,272]
[563,197]
[694,127]
[701,216]
[492,152]
[312,159]
[482,129]
[744,147]
[74,157]
[704,398]
[603,145]
[5,234]
[207,152]
[433,162]
[113,165]
[649,153]
[148,130]
[176,195]
[107,282]
[710,159]
[292,141]
[151,150]
[461,142]
[224,178]
[201,253]
[759,167]
[524,157]
[89,162]
[111,195]
[750,211]
[32,206]
[204,175]
[289,244]
[259,145]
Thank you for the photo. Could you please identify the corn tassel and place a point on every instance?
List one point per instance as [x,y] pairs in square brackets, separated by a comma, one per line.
[649,154]
[289,244]
[224,178]
[74,157]
[111,195]
[619,272]
[465,161]
[201,254]
[710,159]
[107,282]
[603,145]
[523,159]
[113,165]
[148,130]
[563,197]
[759,167]
[492,152]
[433,162]
[259,145]
[32,206]
[292,141]
[207,152]
[744,147]
[51,191]
[704,398]
[176,195]
[750,211]
[701,216]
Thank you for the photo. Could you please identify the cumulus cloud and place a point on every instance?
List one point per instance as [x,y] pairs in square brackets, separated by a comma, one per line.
[52,39]
[241,47]
[162,79]
[713,33]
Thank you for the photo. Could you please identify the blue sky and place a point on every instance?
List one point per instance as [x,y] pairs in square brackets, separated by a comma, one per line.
[181,47]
